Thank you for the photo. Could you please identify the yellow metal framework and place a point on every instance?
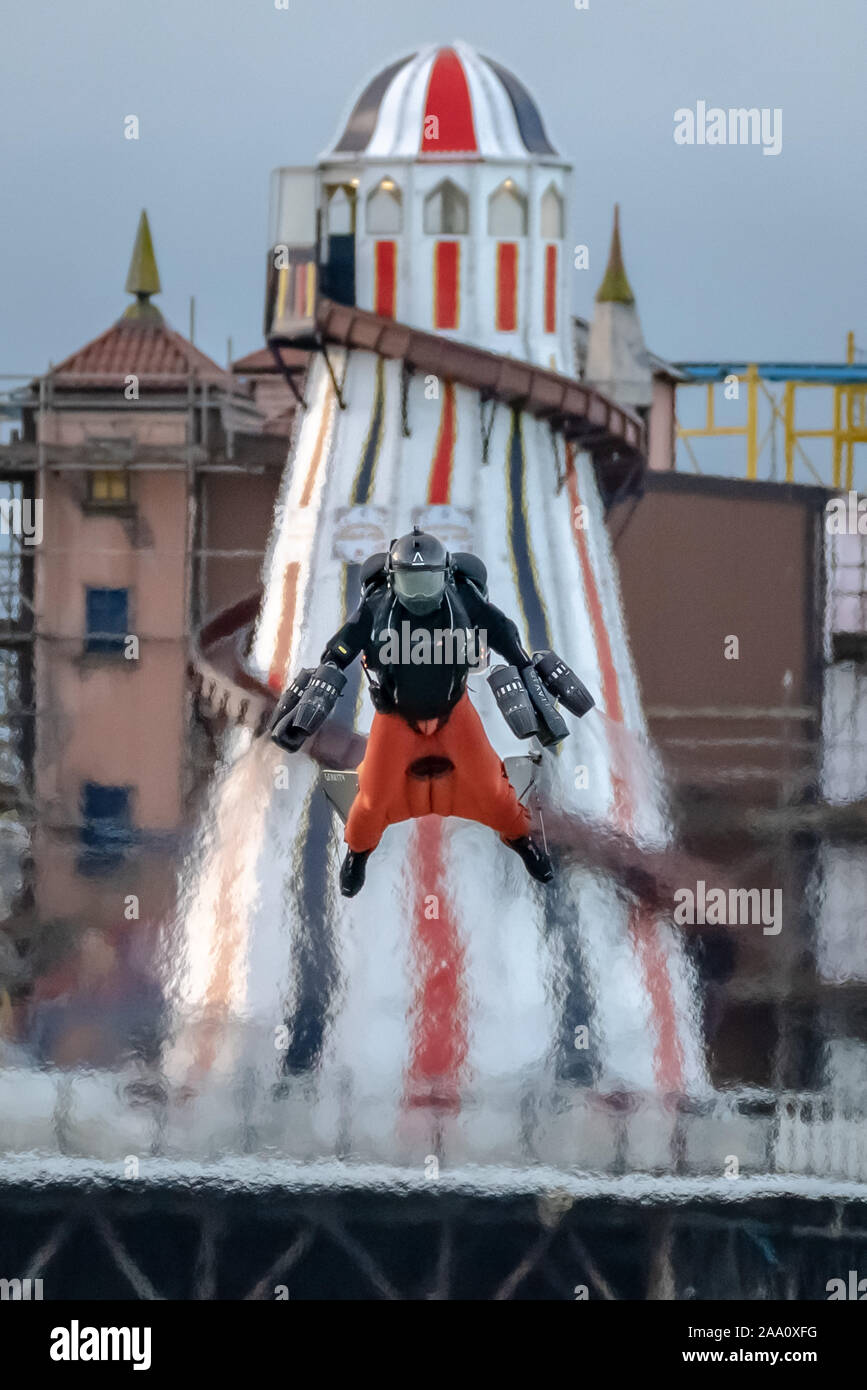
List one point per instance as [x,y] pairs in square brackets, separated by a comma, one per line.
[848,427]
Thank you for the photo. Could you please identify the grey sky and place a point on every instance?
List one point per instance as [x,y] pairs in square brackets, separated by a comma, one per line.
[729,252]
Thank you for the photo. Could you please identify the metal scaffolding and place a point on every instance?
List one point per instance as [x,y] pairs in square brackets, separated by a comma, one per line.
[224,434]
[774,397]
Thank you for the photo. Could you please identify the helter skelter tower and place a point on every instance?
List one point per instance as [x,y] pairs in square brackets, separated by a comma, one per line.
[425,262]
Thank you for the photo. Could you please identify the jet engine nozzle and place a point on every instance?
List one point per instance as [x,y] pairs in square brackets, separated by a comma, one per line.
[561,682]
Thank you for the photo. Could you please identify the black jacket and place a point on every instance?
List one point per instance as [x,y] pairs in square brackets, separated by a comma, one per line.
[417,676]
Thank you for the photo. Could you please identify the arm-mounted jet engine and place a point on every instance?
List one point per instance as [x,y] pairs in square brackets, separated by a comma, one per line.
[513,702]
[563,684]
[524,697]
[281,719]
[552,726]
[304,707]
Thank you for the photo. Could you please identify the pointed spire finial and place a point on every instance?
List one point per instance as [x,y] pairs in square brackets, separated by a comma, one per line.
[143,278]
[615,287]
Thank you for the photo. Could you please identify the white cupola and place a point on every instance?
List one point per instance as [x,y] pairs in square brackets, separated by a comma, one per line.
[444,205]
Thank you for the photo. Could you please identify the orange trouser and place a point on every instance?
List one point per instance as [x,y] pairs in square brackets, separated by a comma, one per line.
[477,788]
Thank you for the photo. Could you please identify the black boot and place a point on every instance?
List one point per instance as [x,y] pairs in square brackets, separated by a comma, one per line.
[535,860]
[352,872]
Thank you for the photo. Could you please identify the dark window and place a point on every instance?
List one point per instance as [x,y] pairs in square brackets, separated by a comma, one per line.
[849,646]
[107,620]
[106,827]
[338,273]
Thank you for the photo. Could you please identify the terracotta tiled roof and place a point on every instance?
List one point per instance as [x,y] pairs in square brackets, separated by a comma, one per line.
[153,352]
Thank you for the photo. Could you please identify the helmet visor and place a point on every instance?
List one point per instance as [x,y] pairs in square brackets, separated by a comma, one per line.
[419,590]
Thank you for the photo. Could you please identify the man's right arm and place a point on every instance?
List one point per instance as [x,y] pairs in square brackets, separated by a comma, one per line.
[344,646]
[312,695]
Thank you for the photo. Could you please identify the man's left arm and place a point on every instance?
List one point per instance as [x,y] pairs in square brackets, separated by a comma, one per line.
[545,675]
[501,634]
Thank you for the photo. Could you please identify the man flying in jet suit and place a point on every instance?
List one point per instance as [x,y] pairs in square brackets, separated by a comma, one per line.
[421,626]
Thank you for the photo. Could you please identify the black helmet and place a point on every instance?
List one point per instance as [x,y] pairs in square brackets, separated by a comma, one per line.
[417,566]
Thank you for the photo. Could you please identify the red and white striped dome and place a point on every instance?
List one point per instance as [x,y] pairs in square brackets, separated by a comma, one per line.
[446,103]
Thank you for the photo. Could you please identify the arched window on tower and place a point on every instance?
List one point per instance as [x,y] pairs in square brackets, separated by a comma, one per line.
[447,210]
[338,276]
[507,218]
[447,214]
[507,211]
[384,209]
[384,219]
[552,215]
[340,210]
[551,227]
